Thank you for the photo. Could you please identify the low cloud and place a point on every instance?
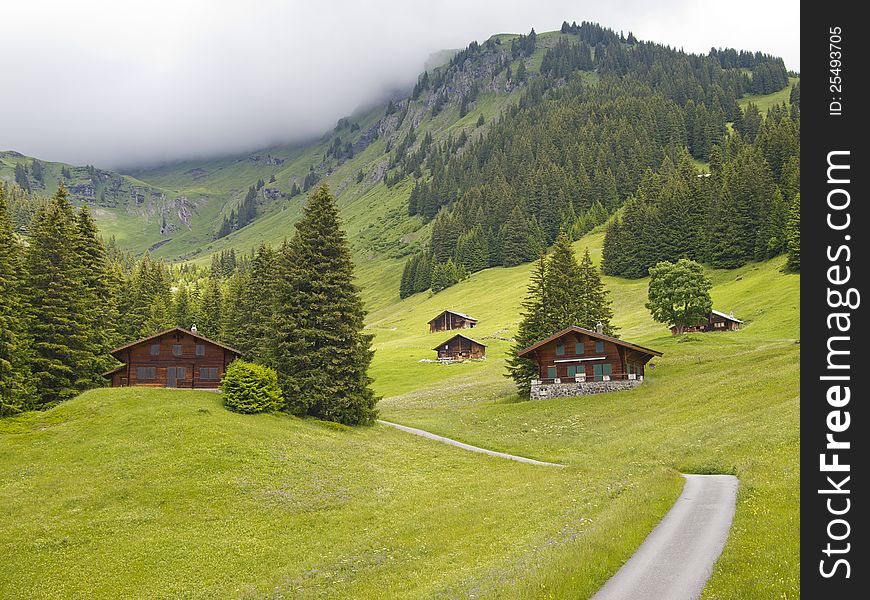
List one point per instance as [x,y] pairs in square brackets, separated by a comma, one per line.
[122,84]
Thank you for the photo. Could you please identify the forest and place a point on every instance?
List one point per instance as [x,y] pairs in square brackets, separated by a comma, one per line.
[576,150]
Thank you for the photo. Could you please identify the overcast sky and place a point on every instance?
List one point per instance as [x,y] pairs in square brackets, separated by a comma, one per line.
[120,83]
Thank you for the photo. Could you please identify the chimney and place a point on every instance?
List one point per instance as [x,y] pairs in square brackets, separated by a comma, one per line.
[193,328]
[599,327]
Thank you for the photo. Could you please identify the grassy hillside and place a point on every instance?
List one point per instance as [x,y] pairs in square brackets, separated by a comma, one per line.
[163,493]
[717,403]
[137,492]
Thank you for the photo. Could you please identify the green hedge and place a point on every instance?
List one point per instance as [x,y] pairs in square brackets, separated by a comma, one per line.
[251,388]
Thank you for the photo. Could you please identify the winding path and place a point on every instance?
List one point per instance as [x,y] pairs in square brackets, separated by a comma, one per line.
[445,440]
[676,559]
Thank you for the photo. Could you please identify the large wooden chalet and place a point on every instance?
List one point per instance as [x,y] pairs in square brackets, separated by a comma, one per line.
[460,347]
[716,321]
[174,358]
[576,356]
[449,320]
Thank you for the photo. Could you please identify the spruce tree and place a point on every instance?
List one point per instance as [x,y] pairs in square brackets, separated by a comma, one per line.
[63,362]
[318,345]
[793,234]
[17,390]
[100,305]
[534,326]
[595,296]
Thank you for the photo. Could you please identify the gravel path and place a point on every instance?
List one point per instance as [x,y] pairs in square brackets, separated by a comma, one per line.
[439,438]
[676,559]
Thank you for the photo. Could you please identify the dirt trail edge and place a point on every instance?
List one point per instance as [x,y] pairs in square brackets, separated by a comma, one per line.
[676,559]
[439,438]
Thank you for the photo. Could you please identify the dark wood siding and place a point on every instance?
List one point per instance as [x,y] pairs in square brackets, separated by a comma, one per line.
[138,359]
[448,321]
[460,348]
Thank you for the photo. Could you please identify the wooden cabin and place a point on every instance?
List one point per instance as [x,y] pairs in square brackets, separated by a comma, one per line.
[460,347]
[449,320]
[716,321]
[174,358]
[579,355]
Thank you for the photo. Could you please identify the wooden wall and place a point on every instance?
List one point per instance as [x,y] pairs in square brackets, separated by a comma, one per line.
[461,348]
[449,321]
[140,356]
[621,359]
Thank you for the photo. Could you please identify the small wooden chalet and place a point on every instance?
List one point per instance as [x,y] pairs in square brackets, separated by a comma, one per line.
[716,321]
[174,358]
[449,319]
[460,347]
[576,354]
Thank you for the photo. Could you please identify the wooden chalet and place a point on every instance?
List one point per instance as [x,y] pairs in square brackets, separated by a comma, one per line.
[576,354]
[460,347]
[716,321]
[174,358]
[449,320]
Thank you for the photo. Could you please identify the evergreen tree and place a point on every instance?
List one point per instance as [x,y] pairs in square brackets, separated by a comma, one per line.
[17,390]
[598,305]
[793,234]
[534,326]
[209,312]
[318,346]
[64,362]
[100,304]
[183,308]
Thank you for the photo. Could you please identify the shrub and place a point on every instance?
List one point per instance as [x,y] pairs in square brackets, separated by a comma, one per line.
[251,388]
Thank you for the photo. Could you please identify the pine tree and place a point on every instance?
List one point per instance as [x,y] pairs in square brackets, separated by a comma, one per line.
[100,305]
[63,360]
[318,346]
[534,326]
[182,308]
[793,234]
[209,312]
[595,296]
[517,247]
[17,389]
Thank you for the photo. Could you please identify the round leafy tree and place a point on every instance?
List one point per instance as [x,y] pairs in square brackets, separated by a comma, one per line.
[679,294]
[251,388]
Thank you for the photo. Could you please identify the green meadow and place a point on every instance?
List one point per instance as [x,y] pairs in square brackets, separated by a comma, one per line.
[134,492]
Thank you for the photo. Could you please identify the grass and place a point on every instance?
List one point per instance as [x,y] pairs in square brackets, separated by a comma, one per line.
[163,493]
[765,101]
[715,403]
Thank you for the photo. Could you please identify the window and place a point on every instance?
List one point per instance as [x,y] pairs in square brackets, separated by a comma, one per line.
[579,348]
[574,370]
[560,349]
[155,349]
[551,372]
[208,373]
[200,349]
[145,373]
[599,346]
[600,370]
[177,349]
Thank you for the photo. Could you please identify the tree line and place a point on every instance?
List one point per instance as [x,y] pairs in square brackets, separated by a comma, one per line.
[746,208]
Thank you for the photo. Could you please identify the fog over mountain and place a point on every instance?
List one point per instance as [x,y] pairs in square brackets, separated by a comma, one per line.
[126,84]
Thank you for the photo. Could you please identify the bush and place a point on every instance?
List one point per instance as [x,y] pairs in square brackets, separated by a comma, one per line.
[251,388]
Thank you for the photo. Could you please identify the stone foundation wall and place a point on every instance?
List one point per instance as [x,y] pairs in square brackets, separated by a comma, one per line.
[542,391]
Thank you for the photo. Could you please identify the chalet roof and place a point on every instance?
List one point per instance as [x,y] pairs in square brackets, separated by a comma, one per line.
[453,312]
[589,332]
[111,372]
[724,316]
[170,330]
[453,337]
